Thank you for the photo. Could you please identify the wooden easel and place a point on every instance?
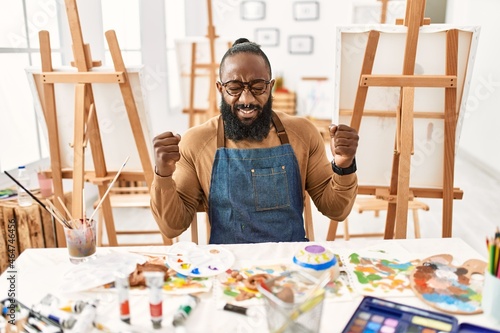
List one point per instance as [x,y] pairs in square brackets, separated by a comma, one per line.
[86,125]
[383,10]
[212,67]
[399,192]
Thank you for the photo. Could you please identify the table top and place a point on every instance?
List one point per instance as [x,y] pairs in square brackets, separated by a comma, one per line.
[41,271]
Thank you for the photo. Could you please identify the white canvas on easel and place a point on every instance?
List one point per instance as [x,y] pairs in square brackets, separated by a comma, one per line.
[377,133]
[116,134]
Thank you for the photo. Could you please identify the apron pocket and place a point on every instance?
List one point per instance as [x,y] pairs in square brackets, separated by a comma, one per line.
[270,187]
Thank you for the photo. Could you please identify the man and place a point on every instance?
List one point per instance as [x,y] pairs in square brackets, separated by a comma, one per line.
[250,166]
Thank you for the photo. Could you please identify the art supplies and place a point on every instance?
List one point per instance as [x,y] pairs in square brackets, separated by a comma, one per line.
[378,315]
[81,240]
[122,285]
[189,259]
[295,305]
[63,222]
[448,288]
[493,246]
[491,290]
[235,308]
[86,319]
[188,304]
[154,281]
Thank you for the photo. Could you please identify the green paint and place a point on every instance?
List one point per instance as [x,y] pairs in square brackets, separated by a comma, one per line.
[354,258]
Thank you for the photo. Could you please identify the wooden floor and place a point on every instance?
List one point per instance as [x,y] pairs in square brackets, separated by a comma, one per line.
[476,216]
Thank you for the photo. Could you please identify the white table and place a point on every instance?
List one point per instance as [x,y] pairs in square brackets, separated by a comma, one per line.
[39,271]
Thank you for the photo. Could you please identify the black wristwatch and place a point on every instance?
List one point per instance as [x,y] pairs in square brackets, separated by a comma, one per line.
[344,171]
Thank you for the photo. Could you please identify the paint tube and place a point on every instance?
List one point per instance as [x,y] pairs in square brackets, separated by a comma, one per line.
[5,308]
[52,301]
[86,319]
[122,287]
[42,326]
[188,304]
[235,308]
[76,307]
[154,281]
[62,318]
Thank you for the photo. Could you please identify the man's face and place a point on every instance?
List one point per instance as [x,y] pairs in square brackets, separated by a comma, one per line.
[246,112]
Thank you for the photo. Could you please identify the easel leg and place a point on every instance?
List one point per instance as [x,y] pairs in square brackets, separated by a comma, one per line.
[405,162]
[79,150]
[49,111]
[450,125]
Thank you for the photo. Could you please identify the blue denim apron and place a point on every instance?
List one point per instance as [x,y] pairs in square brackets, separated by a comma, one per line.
[256,194]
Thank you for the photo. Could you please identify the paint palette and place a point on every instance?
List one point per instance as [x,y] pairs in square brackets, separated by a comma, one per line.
[378,315]
[189,259]
[449,288]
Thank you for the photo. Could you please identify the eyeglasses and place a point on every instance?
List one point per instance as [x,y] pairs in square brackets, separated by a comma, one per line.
[235,87]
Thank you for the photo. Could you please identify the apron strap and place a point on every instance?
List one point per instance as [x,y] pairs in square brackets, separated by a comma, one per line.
[280,129]
[221,138]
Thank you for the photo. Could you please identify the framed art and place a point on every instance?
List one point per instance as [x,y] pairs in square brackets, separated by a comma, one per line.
[267,36]
[253,10]
[306,10]
[300,44]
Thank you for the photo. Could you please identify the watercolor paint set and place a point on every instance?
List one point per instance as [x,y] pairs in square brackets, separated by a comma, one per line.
[375,315]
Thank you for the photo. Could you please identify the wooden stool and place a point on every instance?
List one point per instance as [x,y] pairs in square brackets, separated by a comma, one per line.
[376,205]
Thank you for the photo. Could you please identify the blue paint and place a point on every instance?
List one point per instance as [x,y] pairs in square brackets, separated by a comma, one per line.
[449,302]
[195,271]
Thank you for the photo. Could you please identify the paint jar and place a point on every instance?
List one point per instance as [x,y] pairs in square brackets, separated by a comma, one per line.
[293,303]
[45,185]
[315,259]
[81,240]
[491,296]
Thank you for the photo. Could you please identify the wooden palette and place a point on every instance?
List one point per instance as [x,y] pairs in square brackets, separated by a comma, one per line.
[449,288]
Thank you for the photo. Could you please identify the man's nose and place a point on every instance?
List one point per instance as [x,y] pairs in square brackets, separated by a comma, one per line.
[246,96]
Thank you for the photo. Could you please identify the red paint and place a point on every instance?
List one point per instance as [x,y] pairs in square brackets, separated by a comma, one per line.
[125,309]
[156,310]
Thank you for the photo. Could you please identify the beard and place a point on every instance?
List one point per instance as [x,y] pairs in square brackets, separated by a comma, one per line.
[236,130]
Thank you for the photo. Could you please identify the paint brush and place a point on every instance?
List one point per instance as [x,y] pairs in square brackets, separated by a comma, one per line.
[36,199]
[58,216]
[109,188]
[66,210]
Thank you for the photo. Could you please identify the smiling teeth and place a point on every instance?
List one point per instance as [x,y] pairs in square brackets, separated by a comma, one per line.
[246,111]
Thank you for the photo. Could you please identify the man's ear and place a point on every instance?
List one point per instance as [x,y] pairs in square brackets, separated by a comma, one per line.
[271,85]
[219,86]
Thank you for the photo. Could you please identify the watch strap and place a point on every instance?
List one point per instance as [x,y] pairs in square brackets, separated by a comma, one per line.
[344,171]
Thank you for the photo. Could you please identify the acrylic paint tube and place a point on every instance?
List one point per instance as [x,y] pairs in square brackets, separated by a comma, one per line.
[85,321]
[154,281]
[62,318]
[122,285]
[188,304]
[42,326]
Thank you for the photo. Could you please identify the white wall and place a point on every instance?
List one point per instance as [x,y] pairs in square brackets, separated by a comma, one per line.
[480,136]
[279,15]
[482,116]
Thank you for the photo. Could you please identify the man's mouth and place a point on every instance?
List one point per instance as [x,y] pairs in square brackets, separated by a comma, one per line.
[247,110]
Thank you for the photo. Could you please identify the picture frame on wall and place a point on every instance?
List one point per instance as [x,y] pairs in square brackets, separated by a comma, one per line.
[253,10]
[267,36]
[300,44]
[306,10]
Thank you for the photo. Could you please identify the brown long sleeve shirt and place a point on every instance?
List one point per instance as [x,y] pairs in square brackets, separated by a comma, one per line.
[175,199]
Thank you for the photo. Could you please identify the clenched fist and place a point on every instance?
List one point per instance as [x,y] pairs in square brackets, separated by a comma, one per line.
[344,143]
[166,146]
